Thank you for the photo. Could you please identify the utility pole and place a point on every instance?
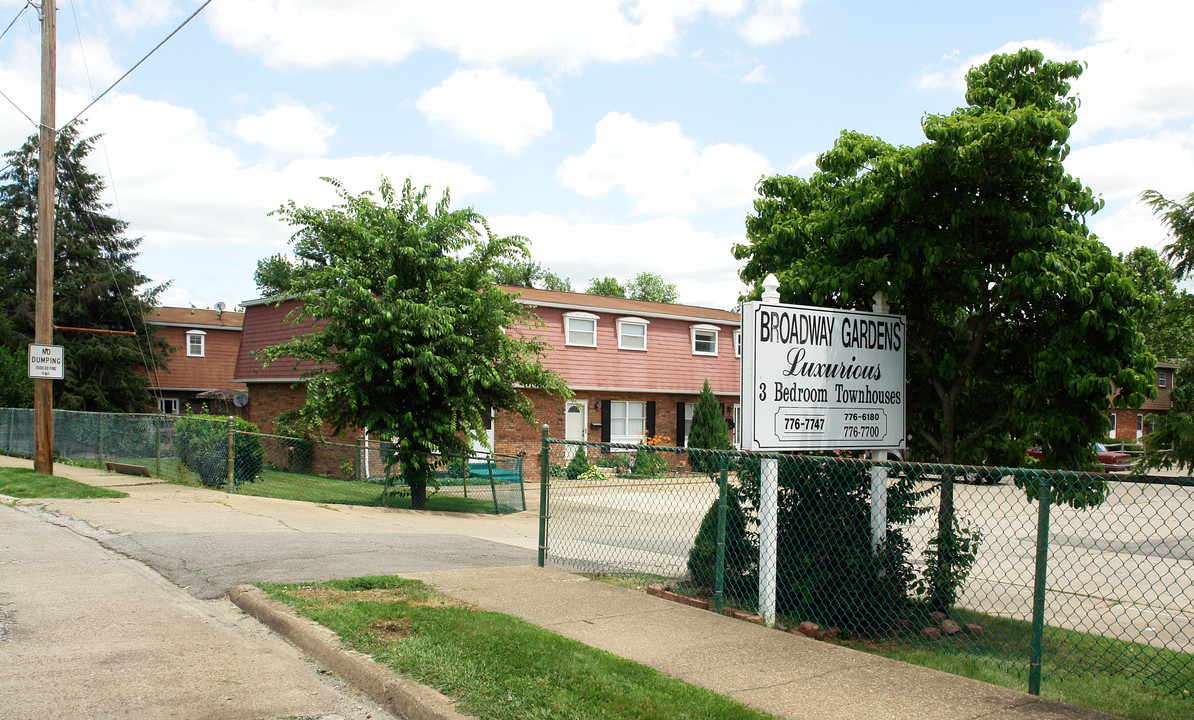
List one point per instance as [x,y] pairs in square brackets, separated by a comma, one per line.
[43,332]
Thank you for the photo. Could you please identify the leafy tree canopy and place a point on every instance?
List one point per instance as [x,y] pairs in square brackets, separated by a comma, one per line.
[1019,319]
[1168,324]
[644,286]
[606,286]
[95,284]
[411,321]
[1178,216]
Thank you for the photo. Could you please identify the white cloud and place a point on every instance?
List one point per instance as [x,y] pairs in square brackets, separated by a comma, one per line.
[287,129]
[705,273]
[490,107]
[1124,168]
[661,169]
[773,21]
[191,198]
[758,75]
[566,35]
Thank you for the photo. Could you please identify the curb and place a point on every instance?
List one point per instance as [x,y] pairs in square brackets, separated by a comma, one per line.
[404,698]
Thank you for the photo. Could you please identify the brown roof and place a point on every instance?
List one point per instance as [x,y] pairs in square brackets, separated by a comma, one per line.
[555,298]
[194,317]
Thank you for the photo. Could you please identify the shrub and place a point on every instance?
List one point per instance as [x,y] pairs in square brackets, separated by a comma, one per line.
[579,464]
[201,442]
[826,570]
[648,462]
[709,431]
[620,462]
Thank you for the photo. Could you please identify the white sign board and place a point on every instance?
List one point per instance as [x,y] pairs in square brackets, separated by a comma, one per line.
[46,362]
[820,379]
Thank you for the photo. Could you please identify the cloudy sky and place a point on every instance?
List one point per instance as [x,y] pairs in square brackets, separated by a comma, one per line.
[620,137]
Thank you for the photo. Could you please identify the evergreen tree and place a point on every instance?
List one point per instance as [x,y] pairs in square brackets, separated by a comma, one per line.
[708,431]
[95,284]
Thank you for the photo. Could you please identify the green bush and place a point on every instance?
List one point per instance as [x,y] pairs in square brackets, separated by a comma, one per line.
[620,462]
[740,570]
[579,464]
[201,442]
[826,569]
[709,431]
[648,463]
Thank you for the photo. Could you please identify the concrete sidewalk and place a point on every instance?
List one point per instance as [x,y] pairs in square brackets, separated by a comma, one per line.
[780,673]
[131,640]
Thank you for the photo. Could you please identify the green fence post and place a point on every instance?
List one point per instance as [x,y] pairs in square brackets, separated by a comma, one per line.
[492,486]
[357,463]
[719,568]
[99,440]
[231,457]
[543,463]
[464,476]
[157,446]
[1036,648]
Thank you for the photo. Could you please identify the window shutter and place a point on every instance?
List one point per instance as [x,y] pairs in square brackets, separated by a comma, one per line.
[680,424]
[651,418]
[606,421]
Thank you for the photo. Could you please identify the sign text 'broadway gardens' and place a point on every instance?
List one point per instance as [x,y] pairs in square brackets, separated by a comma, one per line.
[820,379]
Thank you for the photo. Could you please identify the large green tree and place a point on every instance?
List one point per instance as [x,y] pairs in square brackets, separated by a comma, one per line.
[1178,217]
[95,284]
[1019,318]
[644,286]
[1168,325]
[411,323]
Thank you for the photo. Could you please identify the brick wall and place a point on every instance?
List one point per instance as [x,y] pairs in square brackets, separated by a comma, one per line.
[513,435]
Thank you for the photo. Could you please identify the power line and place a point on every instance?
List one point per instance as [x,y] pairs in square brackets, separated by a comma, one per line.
[14,20]
[130,70]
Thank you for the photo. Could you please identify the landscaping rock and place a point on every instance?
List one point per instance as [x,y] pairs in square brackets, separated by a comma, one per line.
[949,627]
[938,617]
[973,629]
[931,633]
[810,629]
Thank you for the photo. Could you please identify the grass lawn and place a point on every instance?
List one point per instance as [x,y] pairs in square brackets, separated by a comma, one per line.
[494,665]
[332,491]
[25,483]
[1113,676]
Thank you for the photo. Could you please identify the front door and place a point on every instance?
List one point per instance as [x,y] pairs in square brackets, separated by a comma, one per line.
[576,424]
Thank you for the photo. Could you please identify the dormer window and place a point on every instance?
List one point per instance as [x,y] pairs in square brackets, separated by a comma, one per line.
[632,333]
[704,339]
[195,343]
[580,328]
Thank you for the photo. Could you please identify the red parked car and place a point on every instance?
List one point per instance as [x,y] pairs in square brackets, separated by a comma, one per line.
[1111,460]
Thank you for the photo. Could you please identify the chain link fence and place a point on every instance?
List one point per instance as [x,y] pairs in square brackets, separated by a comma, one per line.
[1098,579]
[198,450]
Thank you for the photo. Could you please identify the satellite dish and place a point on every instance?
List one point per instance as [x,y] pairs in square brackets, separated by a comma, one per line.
[220,306]
[240,399]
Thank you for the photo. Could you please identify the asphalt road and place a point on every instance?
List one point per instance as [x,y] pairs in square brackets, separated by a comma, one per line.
[208,564]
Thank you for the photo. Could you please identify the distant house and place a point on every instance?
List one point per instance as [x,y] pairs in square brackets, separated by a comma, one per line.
[1131,424]
[636,368]
[204,346]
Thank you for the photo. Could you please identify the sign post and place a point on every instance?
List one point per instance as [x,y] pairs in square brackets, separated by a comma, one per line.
[819,379]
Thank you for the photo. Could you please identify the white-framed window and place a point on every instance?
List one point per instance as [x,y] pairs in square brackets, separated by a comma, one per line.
[1112,417]
[1139,424]
[580,328]
[628,421]
[169,406]
[704,339]
[196,341]
[1163,378]
[632,333]
[737,343]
